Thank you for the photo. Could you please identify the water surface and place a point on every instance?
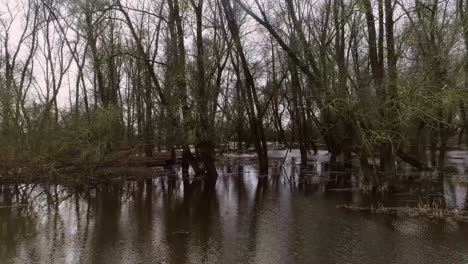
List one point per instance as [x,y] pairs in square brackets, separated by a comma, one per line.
[291,216]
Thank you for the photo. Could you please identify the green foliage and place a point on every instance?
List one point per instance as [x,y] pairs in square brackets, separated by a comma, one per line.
[75,138]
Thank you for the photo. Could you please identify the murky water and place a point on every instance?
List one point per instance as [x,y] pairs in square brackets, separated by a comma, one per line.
[289,217]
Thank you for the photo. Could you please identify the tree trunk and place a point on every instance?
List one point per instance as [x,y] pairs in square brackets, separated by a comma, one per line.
[253,110]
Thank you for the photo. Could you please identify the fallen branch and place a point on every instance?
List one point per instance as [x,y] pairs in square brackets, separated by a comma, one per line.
[413,161]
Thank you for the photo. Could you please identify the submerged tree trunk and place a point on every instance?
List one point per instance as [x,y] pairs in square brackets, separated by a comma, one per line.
[253,109]
[463,13]
[298,115]
[391,92]
[204,130]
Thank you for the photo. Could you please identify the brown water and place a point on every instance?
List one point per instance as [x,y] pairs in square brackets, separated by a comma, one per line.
[288,217]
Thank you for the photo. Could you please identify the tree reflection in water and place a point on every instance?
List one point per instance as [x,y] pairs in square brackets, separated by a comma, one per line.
[288,217]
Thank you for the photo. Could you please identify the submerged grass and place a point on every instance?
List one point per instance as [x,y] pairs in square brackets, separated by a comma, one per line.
[434,210]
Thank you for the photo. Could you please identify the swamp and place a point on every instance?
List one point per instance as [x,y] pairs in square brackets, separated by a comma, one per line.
[233,131]
[294,215]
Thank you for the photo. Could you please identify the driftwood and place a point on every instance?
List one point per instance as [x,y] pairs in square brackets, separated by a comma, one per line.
[427,211]
[413,161]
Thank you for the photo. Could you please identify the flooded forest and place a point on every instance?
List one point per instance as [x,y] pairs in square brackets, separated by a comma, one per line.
[233,131]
